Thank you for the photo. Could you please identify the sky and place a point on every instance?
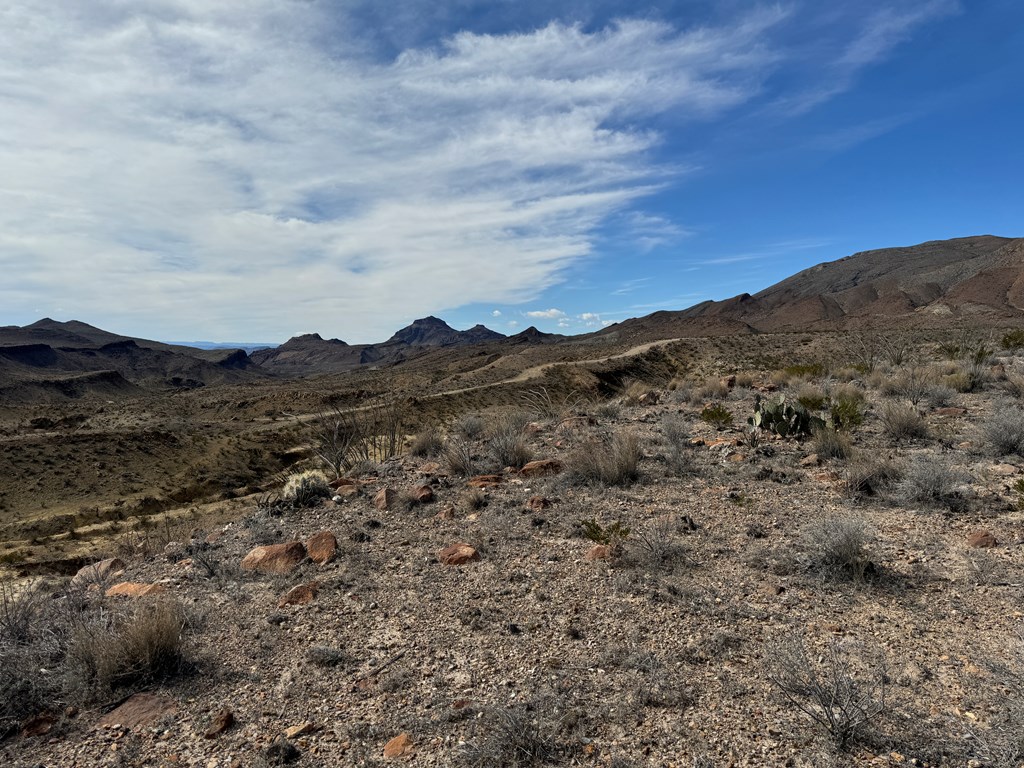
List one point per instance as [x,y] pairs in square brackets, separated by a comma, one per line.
[249,171]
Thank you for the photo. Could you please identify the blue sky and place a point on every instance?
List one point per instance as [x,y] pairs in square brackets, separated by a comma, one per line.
[179,169]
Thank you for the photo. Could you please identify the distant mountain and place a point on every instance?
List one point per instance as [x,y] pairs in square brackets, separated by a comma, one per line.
[50,359]
[974,281]
[248,346]
[310,354]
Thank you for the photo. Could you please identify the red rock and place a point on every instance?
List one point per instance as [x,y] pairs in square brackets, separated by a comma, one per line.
[346,490]
[400,746]
[99,572]
[275,558]
[484,481]
[342,482]
[447,512]
[537,503]
[423,494]
[221,722]
[133,589]
[141,709]
[384,499]
[737,458]
[951,411]
[541,467]
[982,539]
[322,547]
[301,729]
[458,553]
[430,468]
[299,595]
[600,552]
[810,461]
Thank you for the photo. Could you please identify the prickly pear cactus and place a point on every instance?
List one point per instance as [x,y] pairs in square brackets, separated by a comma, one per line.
[783,419]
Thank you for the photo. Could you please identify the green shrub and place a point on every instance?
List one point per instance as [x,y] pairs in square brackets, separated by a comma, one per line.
[804,370]
[610,534]
[811,397]
[1013,339]
[717,415]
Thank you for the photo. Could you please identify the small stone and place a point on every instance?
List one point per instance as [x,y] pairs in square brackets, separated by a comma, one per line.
[384,499]
[221,722]
[299,730]
[133,589]
[810,461]
[447,512]
[275,558]
[322,547]
[99,572]
[982,539]
[537,503]
[299,595]
[430,468]
[458,553]
[600,552]
[400,746]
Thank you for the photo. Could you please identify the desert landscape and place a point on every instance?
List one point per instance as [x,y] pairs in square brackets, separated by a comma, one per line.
[783,529]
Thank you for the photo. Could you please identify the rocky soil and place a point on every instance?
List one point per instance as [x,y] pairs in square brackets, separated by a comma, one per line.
[423,617]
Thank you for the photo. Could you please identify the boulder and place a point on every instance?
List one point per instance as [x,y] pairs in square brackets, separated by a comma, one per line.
[484,481]
[400,746]
[423,494]
[97,573]
[458,553]
[275,558]
[139,710]
[322,547]
[385,499]
[221,722]
[299,595]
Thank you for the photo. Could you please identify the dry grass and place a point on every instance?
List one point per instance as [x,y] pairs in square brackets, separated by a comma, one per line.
[901,422]
[615,462]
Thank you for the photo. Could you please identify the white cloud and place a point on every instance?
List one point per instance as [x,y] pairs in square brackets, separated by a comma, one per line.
[496,313]
[545,314]
[590,316]
[216,169]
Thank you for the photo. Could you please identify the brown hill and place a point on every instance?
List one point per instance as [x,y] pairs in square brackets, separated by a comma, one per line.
[975,281]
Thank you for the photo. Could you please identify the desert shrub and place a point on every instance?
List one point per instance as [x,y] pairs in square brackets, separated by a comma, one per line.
[744,380]
[930,481]
[716,415]
[960,381]
[940,395]
[655,542]
[342,438]
[521,737]
[506,442]
[838,549]
[829,443]
[473,499]
[611,534]
[903,423]
[911,384]
[305,489]
[428,442]
[615,462]
[811,397]
[868,475]
[804,370]
[1013,340]
[1004,430]
[839,691]
[458,457]
[608,410]
[113,651]
[677,437]
[711,389]
[470,426]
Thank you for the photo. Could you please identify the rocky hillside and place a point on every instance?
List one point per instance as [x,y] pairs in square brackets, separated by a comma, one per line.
[973,281]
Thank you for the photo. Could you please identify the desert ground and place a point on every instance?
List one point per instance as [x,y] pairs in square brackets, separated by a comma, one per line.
[664,585]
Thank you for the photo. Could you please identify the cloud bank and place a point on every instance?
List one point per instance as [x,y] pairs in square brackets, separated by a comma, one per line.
[244,169]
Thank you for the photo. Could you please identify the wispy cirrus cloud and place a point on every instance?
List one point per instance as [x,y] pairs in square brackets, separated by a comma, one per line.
[221,167]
